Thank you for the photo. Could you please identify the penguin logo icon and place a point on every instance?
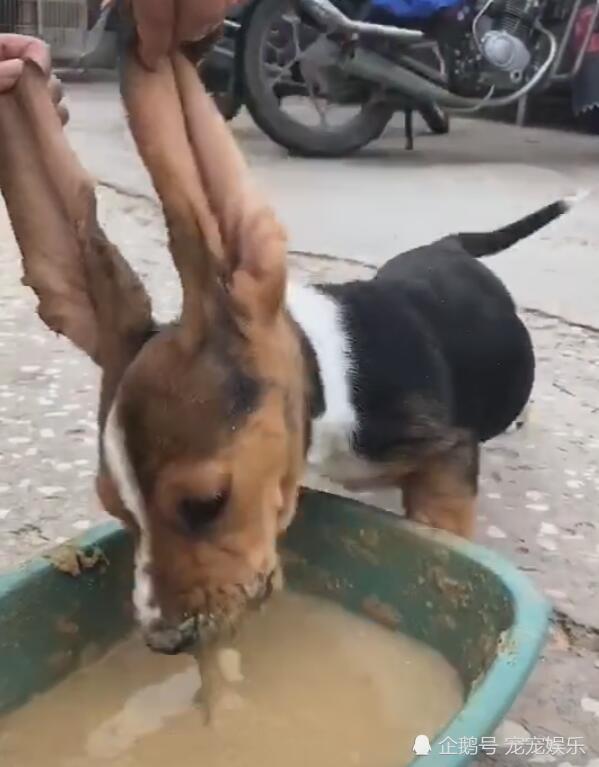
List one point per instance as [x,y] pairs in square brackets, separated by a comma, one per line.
[422,747]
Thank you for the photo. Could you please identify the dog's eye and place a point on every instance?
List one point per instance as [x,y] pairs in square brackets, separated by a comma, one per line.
[198,514]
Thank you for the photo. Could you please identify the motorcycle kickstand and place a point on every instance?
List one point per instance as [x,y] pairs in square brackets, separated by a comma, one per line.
[409,129]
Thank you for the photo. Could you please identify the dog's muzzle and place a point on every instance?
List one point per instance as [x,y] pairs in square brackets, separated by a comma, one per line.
[170,639]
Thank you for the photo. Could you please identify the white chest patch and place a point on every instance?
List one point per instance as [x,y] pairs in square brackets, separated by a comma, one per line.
[123,476]
[321,319]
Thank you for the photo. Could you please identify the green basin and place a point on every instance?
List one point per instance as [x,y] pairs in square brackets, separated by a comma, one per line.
[471,605]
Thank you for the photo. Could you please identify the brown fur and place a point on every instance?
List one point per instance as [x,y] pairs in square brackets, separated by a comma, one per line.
[215,403]
[86,290]
[214,406]
[441,492]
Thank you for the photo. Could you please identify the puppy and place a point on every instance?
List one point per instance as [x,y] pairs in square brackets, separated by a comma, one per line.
[205,423]
[416,367]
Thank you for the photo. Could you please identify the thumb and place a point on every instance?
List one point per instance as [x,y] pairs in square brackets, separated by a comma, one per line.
[10,71]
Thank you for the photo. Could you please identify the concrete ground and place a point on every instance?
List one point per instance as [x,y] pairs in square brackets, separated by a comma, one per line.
[540,486]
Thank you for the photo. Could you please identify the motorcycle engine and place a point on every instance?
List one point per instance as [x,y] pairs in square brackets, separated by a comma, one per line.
[505,52]
[489,44]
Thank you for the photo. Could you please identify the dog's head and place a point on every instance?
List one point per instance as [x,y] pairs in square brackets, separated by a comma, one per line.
[202,421]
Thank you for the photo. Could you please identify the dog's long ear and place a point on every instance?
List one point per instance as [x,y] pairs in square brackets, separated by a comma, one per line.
[254,243]
[158,125]
[86,290]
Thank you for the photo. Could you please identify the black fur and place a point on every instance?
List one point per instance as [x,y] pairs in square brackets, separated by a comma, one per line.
[402,389]
[438,350]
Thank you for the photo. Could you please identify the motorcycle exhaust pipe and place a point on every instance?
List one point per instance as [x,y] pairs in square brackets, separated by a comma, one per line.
[331,20]
[370,66]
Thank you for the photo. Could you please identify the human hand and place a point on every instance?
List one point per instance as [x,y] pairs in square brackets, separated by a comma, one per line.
[15,50]
[162,25]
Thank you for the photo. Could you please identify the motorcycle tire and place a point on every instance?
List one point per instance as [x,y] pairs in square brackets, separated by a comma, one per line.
[266,111]
[436,119]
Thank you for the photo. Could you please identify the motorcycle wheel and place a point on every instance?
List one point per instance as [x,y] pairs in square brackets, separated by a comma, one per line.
[266,108]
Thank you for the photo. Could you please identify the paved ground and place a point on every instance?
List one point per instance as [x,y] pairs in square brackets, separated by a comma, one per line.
[540,490]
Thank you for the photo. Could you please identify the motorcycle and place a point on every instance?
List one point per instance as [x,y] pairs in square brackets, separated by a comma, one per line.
[292,60]
[223,73]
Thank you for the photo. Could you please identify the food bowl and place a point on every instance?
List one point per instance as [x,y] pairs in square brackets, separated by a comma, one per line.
[484,616]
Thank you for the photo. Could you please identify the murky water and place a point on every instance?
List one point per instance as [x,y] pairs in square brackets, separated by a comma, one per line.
[318,686]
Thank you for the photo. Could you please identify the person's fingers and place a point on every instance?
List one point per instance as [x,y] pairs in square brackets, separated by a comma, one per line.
[39,52]
[63,113]
[155,22]
[163,24]
[57,94]
[56,90]
[10,71]
[25,48]
[195,19]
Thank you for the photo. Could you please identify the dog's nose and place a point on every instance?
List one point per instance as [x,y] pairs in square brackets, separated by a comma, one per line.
[171,640]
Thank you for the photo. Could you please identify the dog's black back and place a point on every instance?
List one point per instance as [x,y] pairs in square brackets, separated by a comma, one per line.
[438,346]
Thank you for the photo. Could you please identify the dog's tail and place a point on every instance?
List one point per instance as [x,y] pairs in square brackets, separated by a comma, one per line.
[480,244]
